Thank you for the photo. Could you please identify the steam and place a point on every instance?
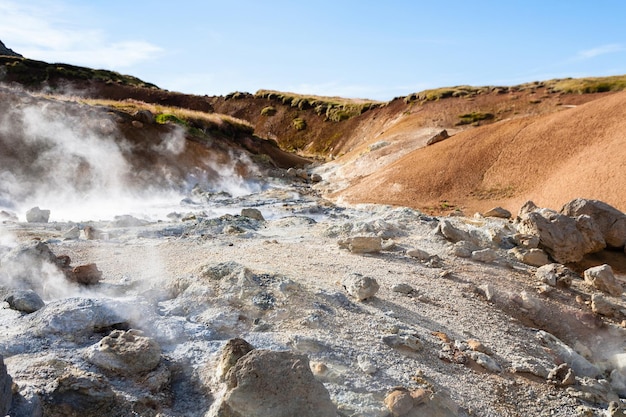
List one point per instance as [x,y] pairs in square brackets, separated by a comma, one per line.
[73,160]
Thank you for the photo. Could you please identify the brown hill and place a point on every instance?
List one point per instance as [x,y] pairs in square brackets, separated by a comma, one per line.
[532,141]
[576,152]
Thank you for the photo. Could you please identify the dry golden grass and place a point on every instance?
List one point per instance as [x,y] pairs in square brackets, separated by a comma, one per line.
[211,121]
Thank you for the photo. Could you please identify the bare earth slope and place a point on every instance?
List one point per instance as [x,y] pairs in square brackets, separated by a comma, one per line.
[577,152]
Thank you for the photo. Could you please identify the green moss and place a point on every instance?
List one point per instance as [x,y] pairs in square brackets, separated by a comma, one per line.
[164,118]
[474,118]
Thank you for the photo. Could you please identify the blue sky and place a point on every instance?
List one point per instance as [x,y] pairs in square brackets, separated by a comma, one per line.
[350,48]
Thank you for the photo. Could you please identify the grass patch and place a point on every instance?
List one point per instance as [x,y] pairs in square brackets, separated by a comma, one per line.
[298,124]
[497,192]
[588,85]
[335,109]
[446,92]
[163,118]
[195,121]
[268,111]
[473,117]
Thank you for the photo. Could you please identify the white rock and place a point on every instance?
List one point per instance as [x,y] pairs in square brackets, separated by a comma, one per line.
[419,254]
[359,286]
[484,255]
[366,364]
[602,278]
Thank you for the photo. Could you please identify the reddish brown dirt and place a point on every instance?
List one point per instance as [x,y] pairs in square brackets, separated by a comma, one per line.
[550,159]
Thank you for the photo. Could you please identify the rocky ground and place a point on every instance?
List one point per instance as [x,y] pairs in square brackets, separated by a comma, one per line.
[298,306]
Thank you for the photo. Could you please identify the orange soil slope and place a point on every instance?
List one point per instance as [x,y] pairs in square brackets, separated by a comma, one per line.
[551,159]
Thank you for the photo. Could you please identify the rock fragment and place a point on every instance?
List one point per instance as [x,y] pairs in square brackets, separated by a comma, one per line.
[555,275]
[562,376]
[88,274]
[403,288]
[232,351]
[602,278]
[362,244]
[252,213]
[464,249]
[265,383]
[78,392]
[403,341]
[441,136]
[72,234]
[366,364]
[600,304]
[484,255]
[359,286]
[126,352]
[453,233]
[399,401]
[27,301]
[485,361]
[315,178]
[533,257]
[418,254]
[498,212]
[526,241]
[566,354]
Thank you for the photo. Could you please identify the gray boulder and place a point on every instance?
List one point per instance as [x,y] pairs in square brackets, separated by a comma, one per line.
[611,222]
[252,213]
[5,389]
[36,215]
[25,300]
[265,383]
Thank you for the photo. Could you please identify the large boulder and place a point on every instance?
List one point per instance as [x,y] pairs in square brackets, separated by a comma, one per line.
[5,389]
[37,215]
[566,239]
[265,383]
[611,221]
[125,352]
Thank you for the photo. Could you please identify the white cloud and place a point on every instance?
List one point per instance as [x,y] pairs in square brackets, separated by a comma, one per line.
[600,50]
[49,33]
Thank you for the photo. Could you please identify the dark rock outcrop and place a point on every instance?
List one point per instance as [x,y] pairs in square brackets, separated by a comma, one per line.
[7,51]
